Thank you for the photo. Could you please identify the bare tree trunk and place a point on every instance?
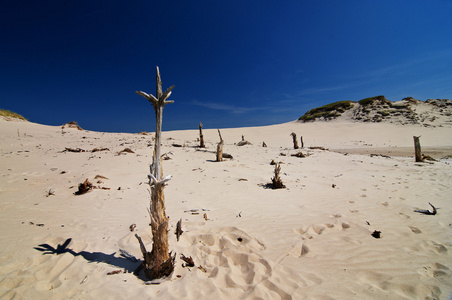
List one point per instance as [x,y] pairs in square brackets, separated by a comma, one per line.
[302,145]
[417,149]
[157,263]
[295,142]
[220,148]
[201,137]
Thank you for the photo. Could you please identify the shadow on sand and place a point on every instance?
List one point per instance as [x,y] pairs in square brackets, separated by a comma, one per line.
[124,263]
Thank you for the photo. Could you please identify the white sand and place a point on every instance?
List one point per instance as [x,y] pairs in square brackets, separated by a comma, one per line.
[309,241]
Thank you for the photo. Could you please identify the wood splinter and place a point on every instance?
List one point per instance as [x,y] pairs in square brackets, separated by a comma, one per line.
[426,211]
[179,229]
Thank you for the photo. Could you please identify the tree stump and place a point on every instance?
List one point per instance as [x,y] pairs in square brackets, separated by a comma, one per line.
[276,180]
[158,263]
[417,149]
[201,137]
[220,148]
[295,142]
[302,145]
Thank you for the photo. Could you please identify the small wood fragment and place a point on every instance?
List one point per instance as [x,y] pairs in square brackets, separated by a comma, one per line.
[84,188]
[376,234]
[114,272]
[84,279]
[202,269]
[426,211]
[179,230]
[132,227]
[76,150]
[100,149]
[189,261]
[125,150]
[299,154]
[205,217]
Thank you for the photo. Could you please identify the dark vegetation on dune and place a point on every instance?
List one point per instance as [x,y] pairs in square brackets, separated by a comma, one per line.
[11,115]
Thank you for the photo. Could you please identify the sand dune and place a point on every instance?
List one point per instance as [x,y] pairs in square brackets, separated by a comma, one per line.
[311,240]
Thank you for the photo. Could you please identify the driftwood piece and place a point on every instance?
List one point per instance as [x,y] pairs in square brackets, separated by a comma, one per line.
[299,154]
[159,262]
[295,142]
[227,155]
[188,261]
[276,180]
[125,150]
[426,211]
[264,144]
[179,230]
[84,187]
[201,137]
[302,144]
[376,234]
[76,150]
[220,148]
[417,149]
[100,149]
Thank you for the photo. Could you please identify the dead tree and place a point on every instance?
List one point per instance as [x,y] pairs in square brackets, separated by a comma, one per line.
[159,262]
[417,149]
[220,148]
[302,145]
[295,142]
[201,137]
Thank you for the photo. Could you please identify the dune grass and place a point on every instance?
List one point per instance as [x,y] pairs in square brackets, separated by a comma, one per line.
[329,111]
[12,115]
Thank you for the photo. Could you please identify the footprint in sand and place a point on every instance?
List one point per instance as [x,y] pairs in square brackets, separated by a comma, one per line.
[434,247]
[404,215]
[435,270]
[415,229]
[311,231]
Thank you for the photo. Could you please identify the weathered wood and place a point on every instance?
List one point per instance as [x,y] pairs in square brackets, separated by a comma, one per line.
[295,142]
[276,180]
[201,137]
[426,211]
[302,145]
[417,149]
[179,229]
[220,148]
[158,262]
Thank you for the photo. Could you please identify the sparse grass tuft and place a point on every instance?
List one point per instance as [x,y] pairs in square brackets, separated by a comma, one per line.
[329,111]
[11,115]
[371,100]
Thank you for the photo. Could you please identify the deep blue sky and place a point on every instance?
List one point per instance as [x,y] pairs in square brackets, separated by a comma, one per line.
[234,63]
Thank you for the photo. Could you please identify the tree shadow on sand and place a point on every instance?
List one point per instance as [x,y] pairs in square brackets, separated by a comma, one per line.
[128,264]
